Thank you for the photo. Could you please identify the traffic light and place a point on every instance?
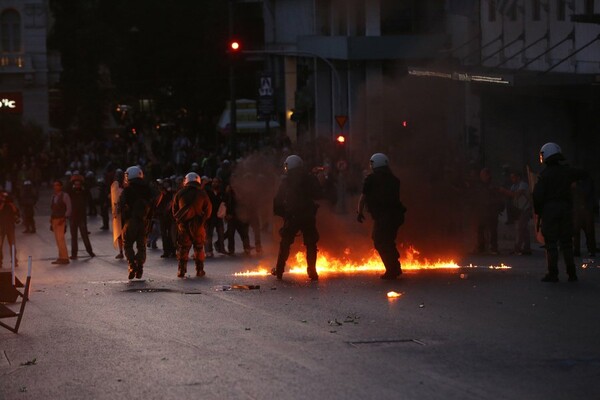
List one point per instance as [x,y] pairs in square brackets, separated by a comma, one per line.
[340,139]
[234,46]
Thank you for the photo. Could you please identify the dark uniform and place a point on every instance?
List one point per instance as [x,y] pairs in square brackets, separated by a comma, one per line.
[381,191]
[163,207]
[191,209]
[552,202]
[78,222]
[135,204]
[295,202]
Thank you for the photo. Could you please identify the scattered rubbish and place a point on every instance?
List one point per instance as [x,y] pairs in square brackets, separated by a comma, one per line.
[226,288]
[334,322]
[247,329]
[303,321]
[149,290]
[246,287]
[119,380]
[273,288]
[23,389]
[351,319]
[32,362]
[422,305]
[332,331]
[393,295]
[463,276]
[164,359]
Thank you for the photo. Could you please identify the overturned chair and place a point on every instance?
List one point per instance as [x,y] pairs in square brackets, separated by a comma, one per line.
[9,293]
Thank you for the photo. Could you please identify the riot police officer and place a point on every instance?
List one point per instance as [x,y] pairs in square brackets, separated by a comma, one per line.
[191,209]
[553,203]
[135,205]
[295,202]
[381,195]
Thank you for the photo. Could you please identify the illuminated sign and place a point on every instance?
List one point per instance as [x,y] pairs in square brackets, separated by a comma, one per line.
[11,103]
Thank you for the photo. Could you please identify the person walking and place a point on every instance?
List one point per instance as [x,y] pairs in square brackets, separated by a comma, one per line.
[191,209]
[163,206]
[553,203]
[9,217]
[27,201]
[60,207]
[584,202]
[381,196]
[78,221]
[135,205]
[215,222]
[116,188]
[295,203]
[520,204]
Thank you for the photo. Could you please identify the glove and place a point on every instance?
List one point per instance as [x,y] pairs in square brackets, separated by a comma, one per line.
[360,217]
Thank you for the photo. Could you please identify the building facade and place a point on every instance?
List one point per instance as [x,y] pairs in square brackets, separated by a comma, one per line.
[27,70]
[346,58]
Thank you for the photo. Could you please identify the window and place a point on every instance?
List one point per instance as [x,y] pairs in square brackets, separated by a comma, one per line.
[561,10]
[536,8]
[512,11]
[492,10]
[589,6]
[10,31]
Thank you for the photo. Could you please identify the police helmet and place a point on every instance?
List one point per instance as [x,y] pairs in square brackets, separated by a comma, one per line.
[191,177]
[293,162]
[548,150]
[133,172]
[379,160]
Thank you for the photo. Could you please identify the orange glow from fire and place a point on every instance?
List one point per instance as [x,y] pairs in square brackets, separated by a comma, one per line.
[328,264]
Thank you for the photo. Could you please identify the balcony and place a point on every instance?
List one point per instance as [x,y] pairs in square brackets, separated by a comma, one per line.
[396,47]
[15,63]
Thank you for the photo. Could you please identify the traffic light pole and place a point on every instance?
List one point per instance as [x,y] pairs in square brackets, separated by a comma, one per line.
[232,99]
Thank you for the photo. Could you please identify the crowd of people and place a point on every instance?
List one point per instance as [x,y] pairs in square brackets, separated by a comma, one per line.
[191,199]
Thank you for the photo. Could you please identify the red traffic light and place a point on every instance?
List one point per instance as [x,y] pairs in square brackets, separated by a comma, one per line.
[235,45]
[341,139]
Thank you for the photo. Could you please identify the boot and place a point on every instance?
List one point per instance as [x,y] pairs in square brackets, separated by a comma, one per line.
[200,269]
[572,272]
[311,260]
[139,272]
[132,270]
[312,273]
[182,268]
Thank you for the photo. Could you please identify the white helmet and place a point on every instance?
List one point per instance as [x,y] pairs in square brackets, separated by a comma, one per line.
[293,162]
[548,150]
[133,172]
[191,177]
[379,160]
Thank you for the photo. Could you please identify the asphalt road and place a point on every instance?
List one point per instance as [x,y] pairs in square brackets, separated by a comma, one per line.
[474,333]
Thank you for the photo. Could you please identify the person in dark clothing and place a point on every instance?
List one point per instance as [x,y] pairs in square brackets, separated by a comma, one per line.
[104,202]
[553,203]
[295,203]
[235,224]
[489,203]
[9,216]
[79,203]
[135,205]
[27,201]
[191,209]
[215,222]
[163,212]
[381,196]
[584,202]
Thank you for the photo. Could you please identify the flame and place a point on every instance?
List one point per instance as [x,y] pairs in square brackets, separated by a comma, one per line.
[329,264]
[393,295]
